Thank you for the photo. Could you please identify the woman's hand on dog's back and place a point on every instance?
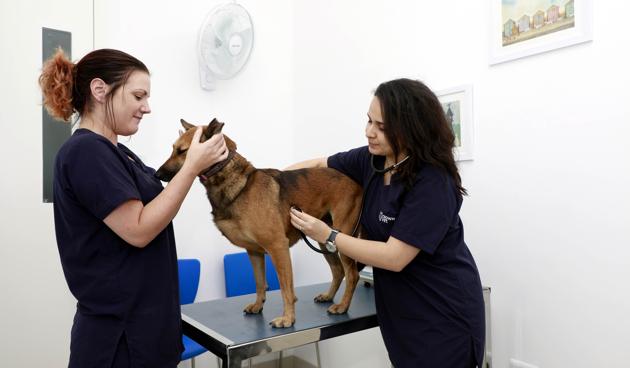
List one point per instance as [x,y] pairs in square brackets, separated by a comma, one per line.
[316,162]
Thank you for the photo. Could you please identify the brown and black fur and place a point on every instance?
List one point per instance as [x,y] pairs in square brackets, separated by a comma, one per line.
[251,209]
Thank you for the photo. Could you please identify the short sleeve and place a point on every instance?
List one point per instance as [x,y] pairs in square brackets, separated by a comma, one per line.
[98,177]
[353,163]
[427,211]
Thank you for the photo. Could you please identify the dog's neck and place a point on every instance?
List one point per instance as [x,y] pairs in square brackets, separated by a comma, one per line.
[216,167]
[227,184]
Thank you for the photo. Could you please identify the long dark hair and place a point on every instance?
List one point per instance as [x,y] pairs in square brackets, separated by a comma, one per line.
[415,123]
[66,86]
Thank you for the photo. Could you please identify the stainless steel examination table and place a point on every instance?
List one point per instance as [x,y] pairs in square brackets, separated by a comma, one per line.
[222,328]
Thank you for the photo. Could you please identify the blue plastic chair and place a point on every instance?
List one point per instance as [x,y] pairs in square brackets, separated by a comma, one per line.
[189,270]
[239,274]
[239,280]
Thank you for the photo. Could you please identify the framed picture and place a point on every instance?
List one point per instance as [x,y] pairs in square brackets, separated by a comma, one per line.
[457,105]
[520,28]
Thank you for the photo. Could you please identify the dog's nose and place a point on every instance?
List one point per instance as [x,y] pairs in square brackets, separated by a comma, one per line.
[162,175]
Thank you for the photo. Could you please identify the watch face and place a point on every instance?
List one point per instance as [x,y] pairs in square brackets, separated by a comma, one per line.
[331,247]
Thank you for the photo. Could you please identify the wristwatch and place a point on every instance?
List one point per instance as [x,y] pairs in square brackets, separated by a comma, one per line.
[330,242]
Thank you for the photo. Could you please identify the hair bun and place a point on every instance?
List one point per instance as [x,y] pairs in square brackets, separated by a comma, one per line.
[56,82]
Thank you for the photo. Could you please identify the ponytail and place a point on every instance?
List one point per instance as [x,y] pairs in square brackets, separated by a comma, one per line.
[57,82]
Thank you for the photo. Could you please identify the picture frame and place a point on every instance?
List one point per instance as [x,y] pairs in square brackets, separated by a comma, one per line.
[521,28]
[457,103]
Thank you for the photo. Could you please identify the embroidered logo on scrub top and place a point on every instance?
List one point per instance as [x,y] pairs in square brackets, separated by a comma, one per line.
[385,219]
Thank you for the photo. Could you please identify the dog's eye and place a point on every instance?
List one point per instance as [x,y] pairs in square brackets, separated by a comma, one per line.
[181,150]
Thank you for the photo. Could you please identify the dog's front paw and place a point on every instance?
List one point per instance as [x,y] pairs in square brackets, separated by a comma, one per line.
[338,309]
[323,298]
[282,322]
[253,308]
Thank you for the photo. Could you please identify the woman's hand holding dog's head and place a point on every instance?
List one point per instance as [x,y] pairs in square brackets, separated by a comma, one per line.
[202,155]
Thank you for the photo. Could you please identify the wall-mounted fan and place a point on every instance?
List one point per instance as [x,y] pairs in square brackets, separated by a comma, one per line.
[225,42]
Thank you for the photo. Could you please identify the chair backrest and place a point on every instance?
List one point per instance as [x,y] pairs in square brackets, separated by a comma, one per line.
[239,274]
[189,270]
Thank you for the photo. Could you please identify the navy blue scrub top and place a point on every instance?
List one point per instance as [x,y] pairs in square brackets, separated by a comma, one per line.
[122,291]
[431,314]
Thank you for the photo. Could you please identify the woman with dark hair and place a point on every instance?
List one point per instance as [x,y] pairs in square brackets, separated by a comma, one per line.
[113,217]
[428,291]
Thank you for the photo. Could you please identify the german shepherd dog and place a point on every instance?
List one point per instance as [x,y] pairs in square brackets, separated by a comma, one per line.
[251,206]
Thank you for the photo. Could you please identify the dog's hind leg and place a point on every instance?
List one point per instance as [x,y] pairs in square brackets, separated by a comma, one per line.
[352,278]
[258,263]
[337,273]
[348,211]
[281,258]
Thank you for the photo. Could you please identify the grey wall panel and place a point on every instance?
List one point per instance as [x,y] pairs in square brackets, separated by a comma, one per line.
[54,133]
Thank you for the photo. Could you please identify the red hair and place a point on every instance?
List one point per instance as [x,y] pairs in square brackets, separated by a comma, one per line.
[56,84]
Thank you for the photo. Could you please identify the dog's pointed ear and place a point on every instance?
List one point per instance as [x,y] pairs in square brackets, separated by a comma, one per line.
[186,124]
[213,128]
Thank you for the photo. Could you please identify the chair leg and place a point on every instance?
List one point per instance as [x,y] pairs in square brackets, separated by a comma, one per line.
[319,362]
[279,365]
[192,362]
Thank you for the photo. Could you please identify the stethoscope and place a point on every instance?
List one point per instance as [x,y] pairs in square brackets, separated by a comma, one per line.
[375,171]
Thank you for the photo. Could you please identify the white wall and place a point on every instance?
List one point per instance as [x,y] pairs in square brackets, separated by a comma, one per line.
[546,214]
[36,308]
